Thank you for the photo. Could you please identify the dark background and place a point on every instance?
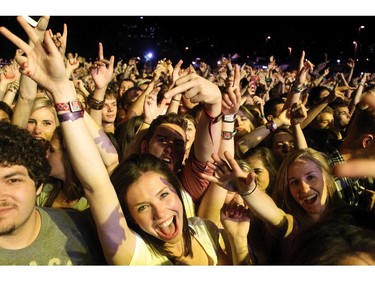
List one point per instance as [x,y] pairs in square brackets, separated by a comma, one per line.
[210,37]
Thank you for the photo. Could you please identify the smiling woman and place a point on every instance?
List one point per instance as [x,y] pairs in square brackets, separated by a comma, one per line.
[305,190]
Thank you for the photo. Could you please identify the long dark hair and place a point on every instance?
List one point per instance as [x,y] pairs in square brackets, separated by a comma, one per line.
[71,187]
[128,172]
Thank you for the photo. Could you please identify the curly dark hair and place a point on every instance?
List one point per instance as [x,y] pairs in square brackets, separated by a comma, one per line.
[18,147]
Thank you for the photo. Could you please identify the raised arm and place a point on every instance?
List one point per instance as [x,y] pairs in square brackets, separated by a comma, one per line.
[101,72]
[360,165]
[208,133]
[214,198]
[44,64]
[28,87]
[232,177]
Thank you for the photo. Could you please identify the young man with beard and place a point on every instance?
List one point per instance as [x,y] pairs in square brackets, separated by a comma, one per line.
[31,235]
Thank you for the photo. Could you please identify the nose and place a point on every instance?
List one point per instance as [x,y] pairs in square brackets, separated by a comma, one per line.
[286,147]
[304,187]
[158,212]
[37,128]
[237,122]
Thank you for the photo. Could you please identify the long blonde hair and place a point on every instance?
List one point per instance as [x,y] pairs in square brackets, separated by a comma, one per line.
[281,194]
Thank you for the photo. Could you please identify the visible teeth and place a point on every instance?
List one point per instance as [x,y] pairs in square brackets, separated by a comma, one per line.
[166,160]
[168,222]
[310,197]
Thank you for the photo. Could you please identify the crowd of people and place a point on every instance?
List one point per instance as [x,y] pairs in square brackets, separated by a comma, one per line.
[104,163]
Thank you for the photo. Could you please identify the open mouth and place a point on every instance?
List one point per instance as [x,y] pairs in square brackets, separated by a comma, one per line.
[167,161]
[309,199]
[168,229]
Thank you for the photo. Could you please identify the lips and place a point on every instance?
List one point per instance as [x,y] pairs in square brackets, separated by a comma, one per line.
[168,229]
[309,199]
[168,161]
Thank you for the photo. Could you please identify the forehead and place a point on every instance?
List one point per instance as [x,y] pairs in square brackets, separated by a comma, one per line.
[254,161]
[302,166]
[170,130]
[282,136]
[141,189]
[43,113]
[7,171]
[127,83]
[325,116]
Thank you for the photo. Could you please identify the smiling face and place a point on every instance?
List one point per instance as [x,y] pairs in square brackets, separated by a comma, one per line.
[308,186]
[263,176]
[155,206]
[168,144]
[42,124]
[17,199]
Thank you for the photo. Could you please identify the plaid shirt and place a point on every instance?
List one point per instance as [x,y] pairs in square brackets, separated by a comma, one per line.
[349,189]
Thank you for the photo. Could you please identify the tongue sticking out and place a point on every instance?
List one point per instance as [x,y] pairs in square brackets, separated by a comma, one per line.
[167,229]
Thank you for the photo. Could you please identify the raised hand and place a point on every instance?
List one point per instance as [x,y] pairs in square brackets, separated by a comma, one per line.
[232,100]
[60,40]
[298,113]
[102,70]
[43,63]
[229,174]
[151,107]
[235,219]
[196,88]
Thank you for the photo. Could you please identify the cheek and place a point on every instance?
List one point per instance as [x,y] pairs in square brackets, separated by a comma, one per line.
[30,127]
[294,192]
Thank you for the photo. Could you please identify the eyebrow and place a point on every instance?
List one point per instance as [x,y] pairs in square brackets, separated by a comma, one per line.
[158,193]
[12,174]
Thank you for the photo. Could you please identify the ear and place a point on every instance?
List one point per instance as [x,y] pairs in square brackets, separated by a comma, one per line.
[367,140]
[39,190]
[144,146]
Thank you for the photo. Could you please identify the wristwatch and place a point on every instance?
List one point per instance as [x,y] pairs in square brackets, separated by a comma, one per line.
[228,135]
[271,125]
[72,106]
[229,118]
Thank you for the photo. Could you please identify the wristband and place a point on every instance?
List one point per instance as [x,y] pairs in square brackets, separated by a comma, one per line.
[70,116]
[271,125]
[297,89]
[72,106]
[229,118]
[213,120]
[228,135]
[249,192]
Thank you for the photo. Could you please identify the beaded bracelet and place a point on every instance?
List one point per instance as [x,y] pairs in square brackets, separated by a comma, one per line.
[95,104]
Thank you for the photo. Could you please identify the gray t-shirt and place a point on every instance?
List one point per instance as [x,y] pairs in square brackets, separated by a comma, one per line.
[66,237]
